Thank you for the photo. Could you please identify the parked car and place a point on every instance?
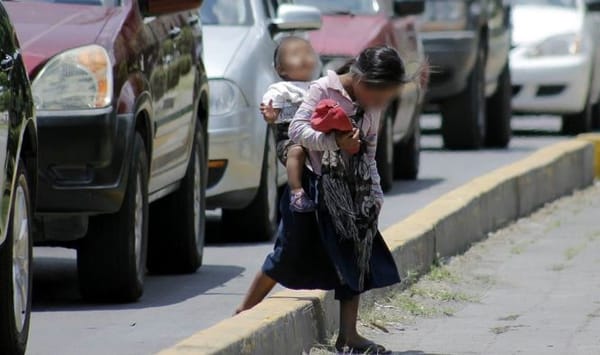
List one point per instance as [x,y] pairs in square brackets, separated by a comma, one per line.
[122,104]
[468,43]
[350,26]
[244,173]
[555,60]
[18,165]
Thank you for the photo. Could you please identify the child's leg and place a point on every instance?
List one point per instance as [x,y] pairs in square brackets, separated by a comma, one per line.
[299,200]
[260,288]
[295,166]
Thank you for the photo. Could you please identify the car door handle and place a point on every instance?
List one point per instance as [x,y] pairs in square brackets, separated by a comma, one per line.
[193,20]
[175,32]
[7,63]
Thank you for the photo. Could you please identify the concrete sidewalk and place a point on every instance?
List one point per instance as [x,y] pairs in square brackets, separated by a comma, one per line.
[532,288]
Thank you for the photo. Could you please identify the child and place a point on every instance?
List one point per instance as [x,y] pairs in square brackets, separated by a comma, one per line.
[295,62]
[339,247]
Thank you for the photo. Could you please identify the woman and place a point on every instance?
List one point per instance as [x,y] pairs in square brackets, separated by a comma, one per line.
[340,249]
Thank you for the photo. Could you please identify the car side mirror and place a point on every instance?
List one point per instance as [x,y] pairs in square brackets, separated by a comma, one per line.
[296,18]
[164,7]
[409,7]
[592,5]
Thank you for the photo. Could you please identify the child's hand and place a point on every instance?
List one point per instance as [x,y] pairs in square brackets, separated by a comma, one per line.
[269,113]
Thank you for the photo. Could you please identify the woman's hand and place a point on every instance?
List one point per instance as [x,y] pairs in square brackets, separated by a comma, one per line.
[348,141]
[269,113]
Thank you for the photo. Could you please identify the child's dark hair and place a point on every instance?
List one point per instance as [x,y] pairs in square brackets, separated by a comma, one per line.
[378,67]
[279,49]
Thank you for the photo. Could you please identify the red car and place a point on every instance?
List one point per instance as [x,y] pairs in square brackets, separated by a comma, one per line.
[349,26]
[122,108]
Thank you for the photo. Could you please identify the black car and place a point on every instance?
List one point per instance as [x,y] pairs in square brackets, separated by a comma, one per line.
[18,162]
[122,105]
[468,43]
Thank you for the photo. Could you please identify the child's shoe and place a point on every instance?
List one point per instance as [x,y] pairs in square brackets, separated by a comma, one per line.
[300,202]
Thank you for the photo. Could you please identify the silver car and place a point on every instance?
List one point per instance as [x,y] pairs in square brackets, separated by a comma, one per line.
[244,173]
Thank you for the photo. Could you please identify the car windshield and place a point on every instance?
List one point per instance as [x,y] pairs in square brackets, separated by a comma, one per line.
[354,7]
[79,2]
[560,3]
[226,12]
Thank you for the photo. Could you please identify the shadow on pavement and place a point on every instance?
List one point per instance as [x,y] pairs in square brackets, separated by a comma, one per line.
[215,236]
[55,286]
[536,133]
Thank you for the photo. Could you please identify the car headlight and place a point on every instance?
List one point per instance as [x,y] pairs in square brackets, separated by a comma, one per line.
[225,97]
[441,15]
[559,45]
[77,79]
[333,64]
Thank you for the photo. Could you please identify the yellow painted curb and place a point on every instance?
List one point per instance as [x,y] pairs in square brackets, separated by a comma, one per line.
[290,322]
[593,138]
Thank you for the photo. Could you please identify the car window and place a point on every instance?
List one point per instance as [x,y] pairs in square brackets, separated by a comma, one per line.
[226,12]
[355,7]
[561,3]
[79,2]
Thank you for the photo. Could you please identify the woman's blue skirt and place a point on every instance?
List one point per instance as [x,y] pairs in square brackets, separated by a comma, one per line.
[308,253]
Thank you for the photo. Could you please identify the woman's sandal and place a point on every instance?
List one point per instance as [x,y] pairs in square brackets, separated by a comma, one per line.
[370,348]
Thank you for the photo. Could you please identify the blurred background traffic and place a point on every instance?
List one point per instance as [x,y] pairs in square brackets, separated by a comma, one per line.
[149,140]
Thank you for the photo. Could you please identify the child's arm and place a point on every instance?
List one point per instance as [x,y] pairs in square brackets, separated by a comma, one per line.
[270,114]
[301,131]
[272,103]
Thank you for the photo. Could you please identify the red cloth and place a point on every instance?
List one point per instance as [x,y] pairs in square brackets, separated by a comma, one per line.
[329,116]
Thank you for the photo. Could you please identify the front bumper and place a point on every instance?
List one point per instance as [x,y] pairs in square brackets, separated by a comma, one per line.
[452,55]
[82,161]
[234,141]
[553,85]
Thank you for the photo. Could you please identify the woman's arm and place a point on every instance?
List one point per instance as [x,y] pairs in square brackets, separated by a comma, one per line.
[301,131]
[371,142]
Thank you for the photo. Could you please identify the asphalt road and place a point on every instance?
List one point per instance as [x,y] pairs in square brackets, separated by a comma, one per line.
[532,288]
[174,307]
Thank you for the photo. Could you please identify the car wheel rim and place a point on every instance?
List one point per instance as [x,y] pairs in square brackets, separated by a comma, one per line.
[21,258]
[139,224]
[272,182]
[197,202]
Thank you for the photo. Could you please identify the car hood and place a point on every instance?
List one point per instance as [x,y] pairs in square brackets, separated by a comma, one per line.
[46,29]
[221,44]
[346,35]
[549,21]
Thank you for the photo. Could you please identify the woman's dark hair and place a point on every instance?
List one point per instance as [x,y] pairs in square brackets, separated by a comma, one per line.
[378,67]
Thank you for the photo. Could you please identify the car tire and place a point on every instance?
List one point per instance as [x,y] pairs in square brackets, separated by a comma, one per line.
[258,221]
[596,117]
[16,256]
[178,221]
[463,116]
[408,156]
[111,259]
[385,152]
[499,113]
[580,122]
